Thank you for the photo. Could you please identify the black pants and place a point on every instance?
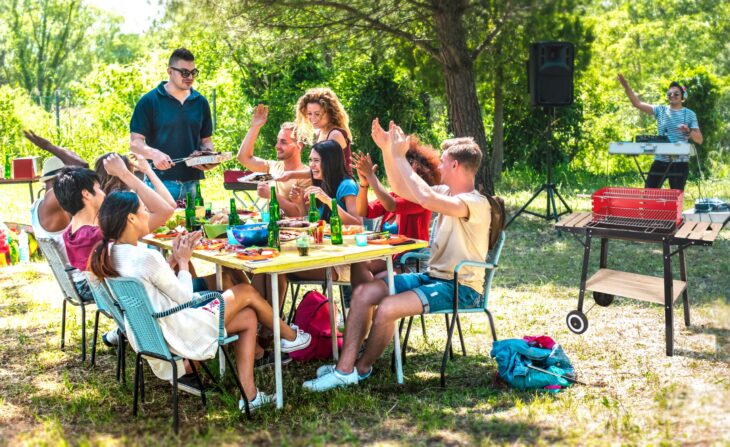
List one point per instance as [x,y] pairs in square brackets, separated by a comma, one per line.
[677,174]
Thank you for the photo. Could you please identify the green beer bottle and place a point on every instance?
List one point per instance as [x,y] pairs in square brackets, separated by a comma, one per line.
[198,196]
[335,225]
[189,213]
[274,216]
[313,211]
[233,218]
[274,210]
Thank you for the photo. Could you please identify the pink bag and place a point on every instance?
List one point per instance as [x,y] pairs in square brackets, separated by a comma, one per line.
[313,317]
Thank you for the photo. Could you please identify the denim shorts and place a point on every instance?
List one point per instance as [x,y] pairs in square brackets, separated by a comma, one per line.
[437,294]
[82,288]
[178,190]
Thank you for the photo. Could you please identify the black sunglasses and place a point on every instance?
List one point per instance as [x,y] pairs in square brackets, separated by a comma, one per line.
[186,73]
[671,94]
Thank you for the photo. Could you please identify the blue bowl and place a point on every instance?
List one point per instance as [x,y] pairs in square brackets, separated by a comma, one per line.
[251,234]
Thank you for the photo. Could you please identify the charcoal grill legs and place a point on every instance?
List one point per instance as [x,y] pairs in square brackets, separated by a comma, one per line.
[584,271]
[668,293]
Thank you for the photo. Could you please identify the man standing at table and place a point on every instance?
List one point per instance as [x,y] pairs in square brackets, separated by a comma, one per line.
[288,158]
[171,122]
[462,234]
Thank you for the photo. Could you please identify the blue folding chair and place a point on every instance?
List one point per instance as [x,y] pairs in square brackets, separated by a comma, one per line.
[490,267]
[61,272]
[142,319]
[106,305]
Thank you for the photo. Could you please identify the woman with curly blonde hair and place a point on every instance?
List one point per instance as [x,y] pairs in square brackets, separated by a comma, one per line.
[321,117]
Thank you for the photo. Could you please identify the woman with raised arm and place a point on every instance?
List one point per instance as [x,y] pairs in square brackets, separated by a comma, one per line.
[321,114]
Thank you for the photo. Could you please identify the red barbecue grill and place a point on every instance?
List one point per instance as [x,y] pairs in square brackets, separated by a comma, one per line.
[643,216]
[643,209]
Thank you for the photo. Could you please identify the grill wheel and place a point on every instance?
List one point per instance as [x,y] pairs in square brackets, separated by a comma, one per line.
[577,322]
[602,299]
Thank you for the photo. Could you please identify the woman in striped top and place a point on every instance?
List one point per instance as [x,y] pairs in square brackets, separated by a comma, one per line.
[678,124]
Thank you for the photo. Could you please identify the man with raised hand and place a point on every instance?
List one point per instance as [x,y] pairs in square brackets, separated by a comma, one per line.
[462,233]
[173,121]
[288,158]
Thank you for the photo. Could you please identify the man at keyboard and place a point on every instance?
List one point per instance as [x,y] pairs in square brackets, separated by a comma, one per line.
[678,124]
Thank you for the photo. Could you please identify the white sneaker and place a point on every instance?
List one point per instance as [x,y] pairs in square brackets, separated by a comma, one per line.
[302,341]
[335,379]
[328,369]
[259,401]
[111,338]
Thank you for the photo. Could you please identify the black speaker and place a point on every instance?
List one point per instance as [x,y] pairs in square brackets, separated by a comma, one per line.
[550,73]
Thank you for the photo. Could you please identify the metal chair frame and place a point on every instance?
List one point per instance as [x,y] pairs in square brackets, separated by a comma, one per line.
[490,266]
[61,271]
[142,320]
[106,305]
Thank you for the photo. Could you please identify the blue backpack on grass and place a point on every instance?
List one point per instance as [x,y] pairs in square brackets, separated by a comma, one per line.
[519,364]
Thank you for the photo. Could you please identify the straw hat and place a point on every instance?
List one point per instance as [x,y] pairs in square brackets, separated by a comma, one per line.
[51,168]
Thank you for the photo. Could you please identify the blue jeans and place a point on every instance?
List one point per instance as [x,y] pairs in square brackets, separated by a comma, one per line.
[178,190]
[437,294]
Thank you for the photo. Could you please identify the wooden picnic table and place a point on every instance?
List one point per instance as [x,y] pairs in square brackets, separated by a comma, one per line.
[323,256]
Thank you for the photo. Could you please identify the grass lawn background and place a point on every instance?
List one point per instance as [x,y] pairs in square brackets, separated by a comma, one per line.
[637,395]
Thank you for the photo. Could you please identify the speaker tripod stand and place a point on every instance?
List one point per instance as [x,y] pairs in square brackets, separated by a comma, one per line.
[549,187]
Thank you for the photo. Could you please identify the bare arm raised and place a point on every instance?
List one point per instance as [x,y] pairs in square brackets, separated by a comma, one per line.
[160,210]
[68,157]
[635,101]
[245,152]
[407,184]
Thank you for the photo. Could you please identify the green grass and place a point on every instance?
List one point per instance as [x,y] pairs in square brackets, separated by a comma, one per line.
[636,395]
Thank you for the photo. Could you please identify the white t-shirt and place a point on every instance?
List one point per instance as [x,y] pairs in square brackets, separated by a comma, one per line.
[55,236]
[461,239]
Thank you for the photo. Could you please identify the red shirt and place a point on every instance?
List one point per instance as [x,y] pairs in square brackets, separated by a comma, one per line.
[79,245]
[413,220]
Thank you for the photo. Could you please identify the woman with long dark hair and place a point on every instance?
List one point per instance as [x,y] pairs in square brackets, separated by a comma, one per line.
[191,333]
[329,180]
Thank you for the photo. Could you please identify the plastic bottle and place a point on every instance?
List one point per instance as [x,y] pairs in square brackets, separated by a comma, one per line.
[23,247]
[4,250]
[12,247]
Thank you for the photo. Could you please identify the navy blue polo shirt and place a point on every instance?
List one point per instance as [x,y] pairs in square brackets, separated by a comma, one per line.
[174,128]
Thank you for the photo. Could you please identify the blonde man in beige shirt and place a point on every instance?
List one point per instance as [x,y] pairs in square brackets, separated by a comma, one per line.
[462,233]
[289,158]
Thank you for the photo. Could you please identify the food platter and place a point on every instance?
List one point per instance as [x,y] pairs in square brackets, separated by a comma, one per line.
[257,254]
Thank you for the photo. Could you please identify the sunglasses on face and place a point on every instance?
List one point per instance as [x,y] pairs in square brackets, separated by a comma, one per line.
[186,73]
[673,94]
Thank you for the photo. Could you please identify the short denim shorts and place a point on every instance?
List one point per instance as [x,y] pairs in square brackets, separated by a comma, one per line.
[437,294]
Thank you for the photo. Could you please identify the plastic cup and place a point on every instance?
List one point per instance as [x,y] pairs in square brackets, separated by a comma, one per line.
[318,234]
[265,216]
[361,239]
[302,243]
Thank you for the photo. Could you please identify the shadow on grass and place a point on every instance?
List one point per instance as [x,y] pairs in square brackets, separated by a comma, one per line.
[722,345]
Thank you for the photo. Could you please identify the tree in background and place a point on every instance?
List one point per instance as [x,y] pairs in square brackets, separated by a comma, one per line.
[47,44]
[454,33]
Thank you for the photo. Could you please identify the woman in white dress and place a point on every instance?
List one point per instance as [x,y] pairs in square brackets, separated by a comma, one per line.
[191,333]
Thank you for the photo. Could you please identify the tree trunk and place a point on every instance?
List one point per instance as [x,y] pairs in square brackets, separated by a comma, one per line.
[498,123]
[461,92]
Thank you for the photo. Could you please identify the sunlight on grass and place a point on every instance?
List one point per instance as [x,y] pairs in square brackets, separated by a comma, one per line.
[635,394]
